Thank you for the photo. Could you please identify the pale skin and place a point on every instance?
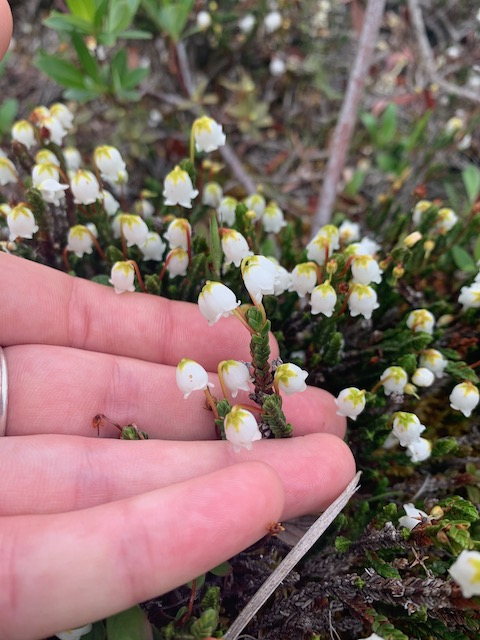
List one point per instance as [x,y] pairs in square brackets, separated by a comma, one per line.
[91,526]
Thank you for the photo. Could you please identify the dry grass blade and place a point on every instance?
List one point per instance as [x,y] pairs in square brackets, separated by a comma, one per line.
[291,559]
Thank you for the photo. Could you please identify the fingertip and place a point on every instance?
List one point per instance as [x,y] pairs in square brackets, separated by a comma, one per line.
[314,411]
[6,26]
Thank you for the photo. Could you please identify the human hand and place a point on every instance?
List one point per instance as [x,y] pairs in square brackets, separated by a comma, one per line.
[93,525]
[6,26]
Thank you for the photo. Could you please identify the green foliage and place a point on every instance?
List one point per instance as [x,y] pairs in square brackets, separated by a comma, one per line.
[169,16]
[129,625]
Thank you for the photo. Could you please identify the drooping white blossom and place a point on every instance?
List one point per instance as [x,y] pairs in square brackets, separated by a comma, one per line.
[446,220]
[350,402]
[362,300]
[178,188]
[464,397]
[241,428]
[406,427]
[8,173]
[79,240]
[434,360]
[208,134]
[153,248]
[21,222]
[323,299]
[109,162]
[133,228]
[212,194]
[349,232]
[290,378]
[177,262]
[235,376]
[394,380]
[277,66]
[273,218]
[73,159]
[178,233]
[469,296]
[421,320]
[41,172]
[466,573]
[304,278]
[226,210]
[191,376]
[45,156]
[423,377]
[204,20]
[272,21]
[110,204]
[246,23]
[419,209]
[122,276]
[85,187]
[365,270]
[23,131]
[63,114]
[52,191]
[259,276]
[216,301]
[419,450]
[235,247]
[256,203]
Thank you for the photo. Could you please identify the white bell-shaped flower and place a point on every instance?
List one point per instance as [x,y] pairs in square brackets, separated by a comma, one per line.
[272,21]
[259,276]
[122,276]
[216,301]
[74,634]
[191,376]
[8,173]
[80,240]
[350,402]
[323,299]
[349,232]
[23,131]
[290,378]
[177,262]
[406,427]
[466,573]
[110,204]
[413,516]
[154,247]
[208,134]
[45,156]
[63,114]
[277,66]
[144,208]
[212,195]
[226,210]
[109,162]
[283,279]
[304,278]
[423,377]
[204,20]
[235,247]
[419,209]
[394,380]
[419,450]
[421,320]
[366,247]
[318,249]
[469,296]
[53,129]
[434,360]
[446,220]
[365,270]
[235,376]
[52,191]
[134,229]
[241,428]
[256,203]
[246,23]
[21,222]
[362,301]
[73,159]
[41,172]
[178,188]
[464,397]
[85,187]
[273,218]
[178,233]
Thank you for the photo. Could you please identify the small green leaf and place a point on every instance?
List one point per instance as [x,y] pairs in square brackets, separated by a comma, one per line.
[215,247]
[222,570]
[8,112]
[120,15]
[388,124]
[463,260]
[63,72]
[471,180]
[83,9]
[129,625]
[87,61]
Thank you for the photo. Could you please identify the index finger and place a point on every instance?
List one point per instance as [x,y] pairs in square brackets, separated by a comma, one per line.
[43,306]
[5,27]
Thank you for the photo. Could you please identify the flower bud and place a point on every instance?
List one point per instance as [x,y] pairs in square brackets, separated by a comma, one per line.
[406,427]
[216,301]
[122,277]
[423,377]
[464,397]
[290,379]
[191,376]
[350,402]
[412,239]
[419,209]
[178,188]
[208,134]
[241,428]
[466,573]
[235,375]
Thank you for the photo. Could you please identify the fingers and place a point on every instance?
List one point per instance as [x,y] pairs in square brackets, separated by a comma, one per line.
[60,390]
[67,570]
[74,473]
[5,27]
[43,306]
